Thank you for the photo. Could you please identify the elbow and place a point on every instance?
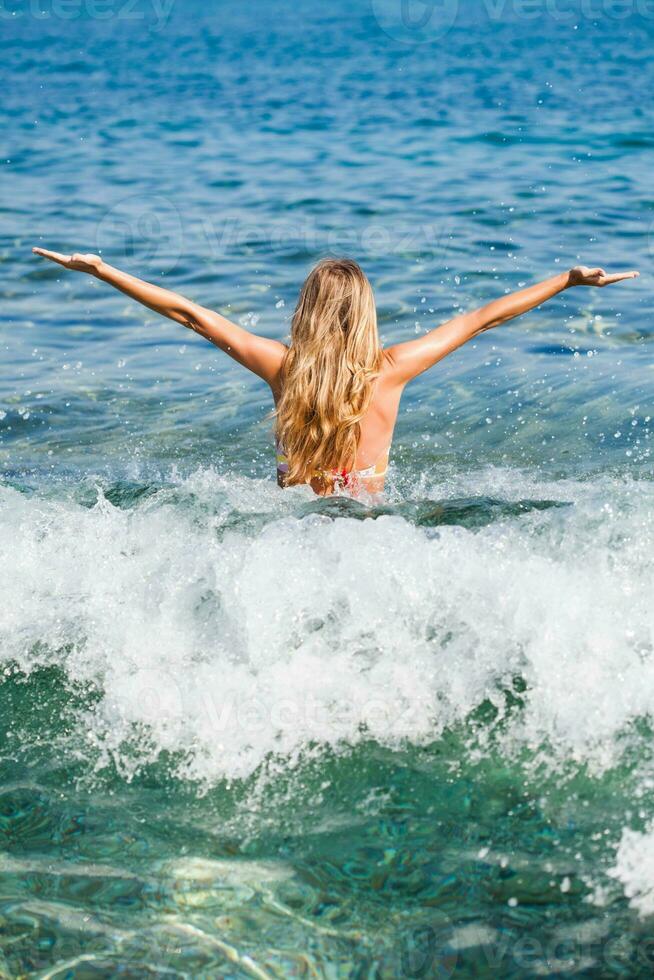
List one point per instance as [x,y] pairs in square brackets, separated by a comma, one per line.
[490,324]
[188,318]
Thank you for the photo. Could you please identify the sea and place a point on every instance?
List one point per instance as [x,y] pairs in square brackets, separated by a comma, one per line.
[247,732]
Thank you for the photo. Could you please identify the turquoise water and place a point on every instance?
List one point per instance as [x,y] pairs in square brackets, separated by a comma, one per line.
[251,733]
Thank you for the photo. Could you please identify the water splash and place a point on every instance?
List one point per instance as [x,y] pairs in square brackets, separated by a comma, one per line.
[225,641]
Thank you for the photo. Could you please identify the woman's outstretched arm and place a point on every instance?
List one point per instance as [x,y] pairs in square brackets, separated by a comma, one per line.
[408,360]
[259,354]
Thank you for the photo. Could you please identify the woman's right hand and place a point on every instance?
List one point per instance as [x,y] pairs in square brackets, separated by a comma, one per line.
[80,263]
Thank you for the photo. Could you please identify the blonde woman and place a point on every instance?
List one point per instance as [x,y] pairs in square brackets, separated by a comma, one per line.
[336,390]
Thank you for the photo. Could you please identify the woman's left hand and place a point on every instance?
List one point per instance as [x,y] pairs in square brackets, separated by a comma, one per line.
[80,263]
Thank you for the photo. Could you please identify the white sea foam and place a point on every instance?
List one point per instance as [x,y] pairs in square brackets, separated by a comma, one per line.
[634,869]
[229,644]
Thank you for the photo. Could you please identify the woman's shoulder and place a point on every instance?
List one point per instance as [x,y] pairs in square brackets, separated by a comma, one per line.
[388,371]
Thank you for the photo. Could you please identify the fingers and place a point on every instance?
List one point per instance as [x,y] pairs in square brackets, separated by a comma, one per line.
[599,276]
[619,276]
[53,256]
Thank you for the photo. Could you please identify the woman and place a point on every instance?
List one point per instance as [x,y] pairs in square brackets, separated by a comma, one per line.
[336,391]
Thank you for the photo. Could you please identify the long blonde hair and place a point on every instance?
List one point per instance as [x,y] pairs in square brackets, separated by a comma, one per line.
[329,371]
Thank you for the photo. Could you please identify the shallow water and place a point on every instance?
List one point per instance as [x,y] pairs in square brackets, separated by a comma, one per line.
[251,733]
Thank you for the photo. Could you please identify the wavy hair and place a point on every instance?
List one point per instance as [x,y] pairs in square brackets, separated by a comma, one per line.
[329,372]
